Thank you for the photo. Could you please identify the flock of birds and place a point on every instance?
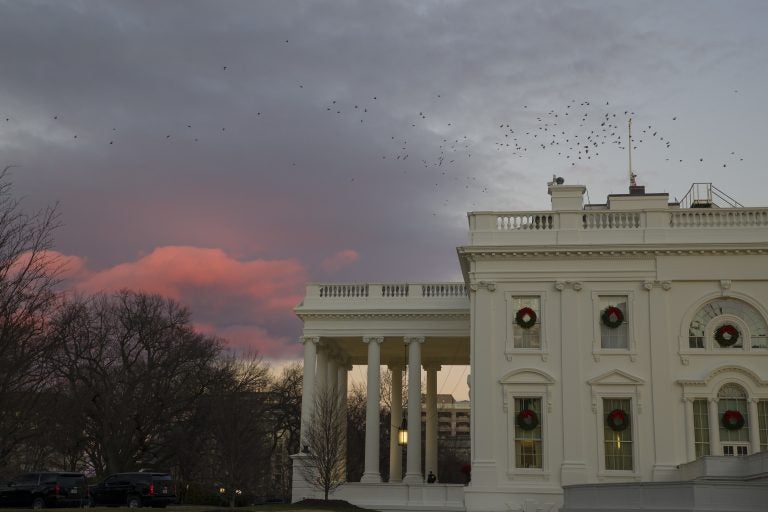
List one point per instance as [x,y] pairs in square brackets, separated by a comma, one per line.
[576,133]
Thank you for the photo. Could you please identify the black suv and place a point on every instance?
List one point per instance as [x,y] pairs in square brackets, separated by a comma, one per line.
[142,489]
[45,489]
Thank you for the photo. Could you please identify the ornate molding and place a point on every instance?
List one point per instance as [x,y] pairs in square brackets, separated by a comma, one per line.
[650,284]
[574,285]
[725,286]
[488,285]
[626,253]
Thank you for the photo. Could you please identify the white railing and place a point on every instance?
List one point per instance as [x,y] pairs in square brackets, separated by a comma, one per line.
[394,290]
[444,290]
[525,224]
[343,290]
[719,218]
[612,220]
[536,221]
[387,291]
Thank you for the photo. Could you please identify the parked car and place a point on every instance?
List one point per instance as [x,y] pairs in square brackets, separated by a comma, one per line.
[141,489]
[45,489]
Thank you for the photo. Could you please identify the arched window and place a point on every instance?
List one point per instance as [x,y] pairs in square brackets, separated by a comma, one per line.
[732,402]
[727,323]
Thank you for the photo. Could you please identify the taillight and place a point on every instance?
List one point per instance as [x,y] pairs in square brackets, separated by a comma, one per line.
[56,489]
[151,489]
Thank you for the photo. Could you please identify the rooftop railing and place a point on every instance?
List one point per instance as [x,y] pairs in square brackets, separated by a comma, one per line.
[556,226]
[386,290]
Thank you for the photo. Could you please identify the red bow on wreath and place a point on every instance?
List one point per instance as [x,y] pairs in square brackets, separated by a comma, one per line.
[525,317]
[732,420]
[726,335]
[617,420]
[612,317]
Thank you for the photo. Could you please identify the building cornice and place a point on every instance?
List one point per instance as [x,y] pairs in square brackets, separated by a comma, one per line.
[613,252]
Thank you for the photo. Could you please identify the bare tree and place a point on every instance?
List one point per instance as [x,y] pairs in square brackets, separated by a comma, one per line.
[135,368]
[28,276]
[326,441]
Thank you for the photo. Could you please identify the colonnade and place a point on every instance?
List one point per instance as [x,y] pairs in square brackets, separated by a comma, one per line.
[325,369]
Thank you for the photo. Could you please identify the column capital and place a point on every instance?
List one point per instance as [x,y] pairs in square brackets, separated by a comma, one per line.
[396,367]
[413,339]
[309,339]
[375,339]
[432,367]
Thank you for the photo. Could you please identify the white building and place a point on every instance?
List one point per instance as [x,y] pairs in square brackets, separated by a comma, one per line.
[608,343]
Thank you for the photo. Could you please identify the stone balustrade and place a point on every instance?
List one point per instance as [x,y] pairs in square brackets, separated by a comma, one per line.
[623,226]
[359,291]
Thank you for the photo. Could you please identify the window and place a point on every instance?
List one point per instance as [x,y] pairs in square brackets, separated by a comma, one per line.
[528,441]
[614,336]
[762,422]
[617,443]
[701,427]
[733,397]
[714,314]
[735,450]
[526,337]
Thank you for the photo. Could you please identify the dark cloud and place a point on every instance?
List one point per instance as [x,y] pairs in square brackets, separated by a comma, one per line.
[237,126]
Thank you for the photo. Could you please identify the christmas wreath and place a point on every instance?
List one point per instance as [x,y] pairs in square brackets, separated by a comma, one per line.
[732,420]
[525,317]
[612,317]
[617,420]
[527,419]
[726,335]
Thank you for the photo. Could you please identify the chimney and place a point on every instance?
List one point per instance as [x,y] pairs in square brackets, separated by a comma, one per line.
[566,197]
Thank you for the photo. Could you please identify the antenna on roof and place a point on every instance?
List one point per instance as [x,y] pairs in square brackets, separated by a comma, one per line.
[632,175]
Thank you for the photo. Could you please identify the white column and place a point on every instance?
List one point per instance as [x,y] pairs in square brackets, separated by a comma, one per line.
[333,375]
[395,450]
[321,375]
[341,385]
[690,430]
[413,473]
[308,388]
[714,428]
[371,473]
[430,455]
[754,429]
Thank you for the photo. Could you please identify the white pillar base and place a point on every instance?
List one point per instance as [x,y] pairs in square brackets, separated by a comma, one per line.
[370,478]
[413,479]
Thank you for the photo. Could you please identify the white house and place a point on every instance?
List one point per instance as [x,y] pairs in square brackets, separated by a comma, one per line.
[608,343]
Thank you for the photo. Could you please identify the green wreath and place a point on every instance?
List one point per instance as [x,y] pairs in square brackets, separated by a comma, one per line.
[612,317]
[726,335]
[617,420]
[527,419]
[732,420]
[525,317]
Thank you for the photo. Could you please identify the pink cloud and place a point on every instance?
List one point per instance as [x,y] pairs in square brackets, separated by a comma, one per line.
[249,303]
[339,260]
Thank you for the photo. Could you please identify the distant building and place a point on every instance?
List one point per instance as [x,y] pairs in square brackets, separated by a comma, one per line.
[613,344]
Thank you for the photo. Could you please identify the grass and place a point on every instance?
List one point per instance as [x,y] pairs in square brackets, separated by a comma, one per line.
[306,505]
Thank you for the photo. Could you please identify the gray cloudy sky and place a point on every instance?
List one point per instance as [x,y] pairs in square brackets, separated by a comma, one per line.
[225,153]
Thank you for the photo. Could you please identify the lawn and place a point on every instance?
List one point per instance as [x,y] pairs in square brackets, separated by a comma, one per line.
[304,506]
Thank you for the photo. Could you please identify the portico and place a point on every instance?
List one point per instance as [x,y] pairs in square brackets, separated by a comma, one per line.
[403,327]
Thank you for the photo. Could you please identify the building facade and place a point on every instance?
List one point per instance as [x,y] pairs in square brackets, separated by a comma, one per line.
[608,343]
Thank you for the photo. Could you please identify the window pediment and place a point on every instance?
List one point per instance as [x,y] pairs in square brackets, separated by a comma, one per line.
[616,378]
[527,376]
